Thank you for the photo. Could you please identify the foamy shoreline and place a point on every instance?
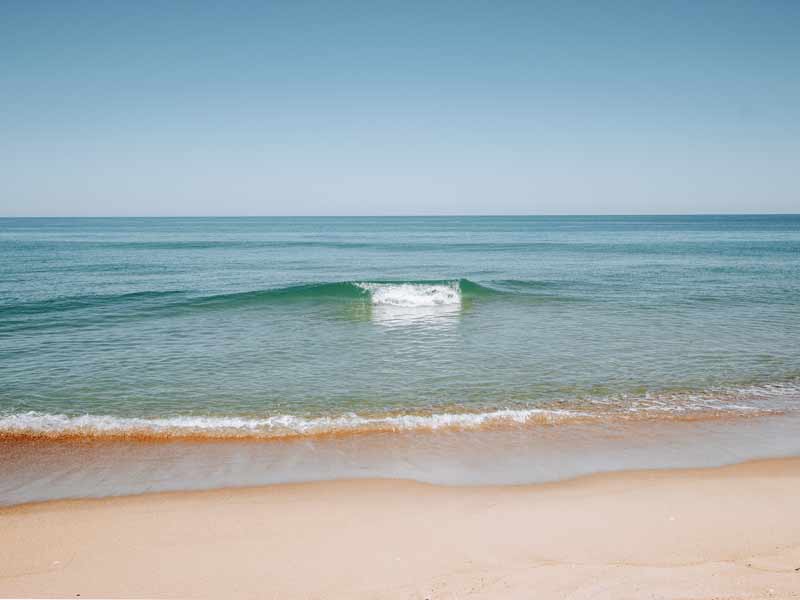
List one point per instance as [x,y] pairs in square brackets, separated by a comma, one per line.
[619,535]
[710,403]
[36,469]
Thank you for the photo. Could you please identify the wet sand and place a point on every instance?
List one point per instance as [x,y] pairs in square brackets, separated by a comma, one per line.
[729,532]
[33,470]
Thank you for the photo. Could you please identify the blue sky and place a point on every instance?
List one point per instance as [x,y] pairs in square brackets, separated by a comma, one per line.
[277,108]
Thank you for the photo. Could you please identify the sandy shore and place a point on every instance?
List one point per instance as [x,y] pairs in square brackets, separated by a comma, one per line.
[731,532]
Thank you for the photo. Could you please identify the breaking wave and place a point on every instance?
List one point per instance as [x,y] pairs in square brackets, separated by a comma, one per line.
[714,403]
[409,295]
[399,293]
[36,424]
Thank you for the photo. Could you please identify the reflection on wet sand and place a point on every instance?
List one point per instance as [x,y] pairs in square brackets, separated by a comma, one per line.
[40,468]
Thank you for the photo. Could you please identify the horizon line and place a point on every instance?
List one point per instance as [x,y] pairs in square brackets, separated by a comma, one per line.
[401,216]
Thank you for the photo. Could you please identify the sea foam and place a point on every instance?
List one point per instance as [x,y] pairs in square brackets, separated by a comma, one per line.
[36,423]
[409,295]
[746,401]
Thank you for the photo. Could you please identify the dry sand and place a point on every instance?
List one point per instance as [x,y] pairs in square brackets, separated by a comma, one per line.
[731,532]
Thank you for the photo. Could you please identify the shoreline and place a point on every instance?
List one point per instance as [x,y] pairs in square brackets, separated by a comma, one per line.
[747,465]
[730,532]
[43,469]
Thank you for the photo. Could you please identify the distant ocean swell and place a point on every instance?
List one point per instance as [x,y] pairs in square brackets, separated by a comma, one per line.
[754,247]
[746,402]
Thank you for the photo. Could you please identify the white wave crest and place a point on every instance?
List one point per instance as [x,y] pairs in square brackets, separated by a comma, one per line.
[276,426]
[410,295]
[748,401]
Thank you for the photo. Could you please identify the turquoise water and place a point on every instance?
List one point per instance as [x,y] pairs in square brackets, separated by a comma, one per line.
[294,326]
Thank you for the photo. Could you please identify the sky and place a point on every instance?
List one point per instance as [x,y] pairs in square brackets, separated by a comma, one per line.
[397,108]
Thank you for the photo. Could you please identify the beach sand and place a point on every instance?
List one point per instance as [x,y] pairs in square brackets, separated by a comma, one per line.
[730,532]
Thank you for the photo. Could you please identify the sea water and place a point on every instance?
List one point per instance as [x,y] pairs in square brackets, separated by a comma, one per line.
[298,330]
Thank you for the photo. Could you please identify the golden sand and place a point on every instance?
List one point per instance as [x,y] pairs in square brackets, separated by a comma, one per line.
[731,532]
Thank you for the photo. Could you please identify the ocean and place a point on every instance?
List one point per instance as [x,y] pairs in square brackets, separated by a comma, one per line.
[449,349]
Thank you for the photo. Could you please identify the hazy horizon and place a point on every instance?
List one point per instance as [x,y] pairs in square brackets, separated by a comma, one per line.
[355,109]
[402,216]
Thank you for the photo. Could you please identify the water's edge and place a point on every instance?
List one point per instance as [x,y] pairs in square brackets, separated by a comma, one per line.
[46,469]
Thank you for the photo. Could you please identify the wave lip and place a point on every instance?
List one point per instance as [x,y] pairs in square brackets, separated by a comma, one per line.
[410,295]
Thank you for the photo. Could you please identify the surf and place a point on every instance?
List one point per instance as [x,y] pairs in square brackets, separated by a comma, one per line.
[743,402]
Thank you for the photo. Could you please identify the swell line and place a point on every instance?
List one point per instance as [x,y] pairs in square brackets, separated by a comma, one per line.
[343,290]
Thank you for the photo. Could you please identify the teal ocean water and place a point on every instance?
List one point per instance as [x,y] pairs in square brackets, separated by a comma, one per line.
[276,327]
[163,354]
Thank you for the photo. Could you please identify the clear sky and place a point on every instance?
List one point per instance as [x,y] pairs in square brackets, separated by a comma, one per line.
[293,108]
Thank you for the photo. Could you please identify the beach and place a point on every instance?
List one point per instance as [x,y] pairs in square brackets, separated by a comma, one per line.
[412,407]
[729,532]
[366,301]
